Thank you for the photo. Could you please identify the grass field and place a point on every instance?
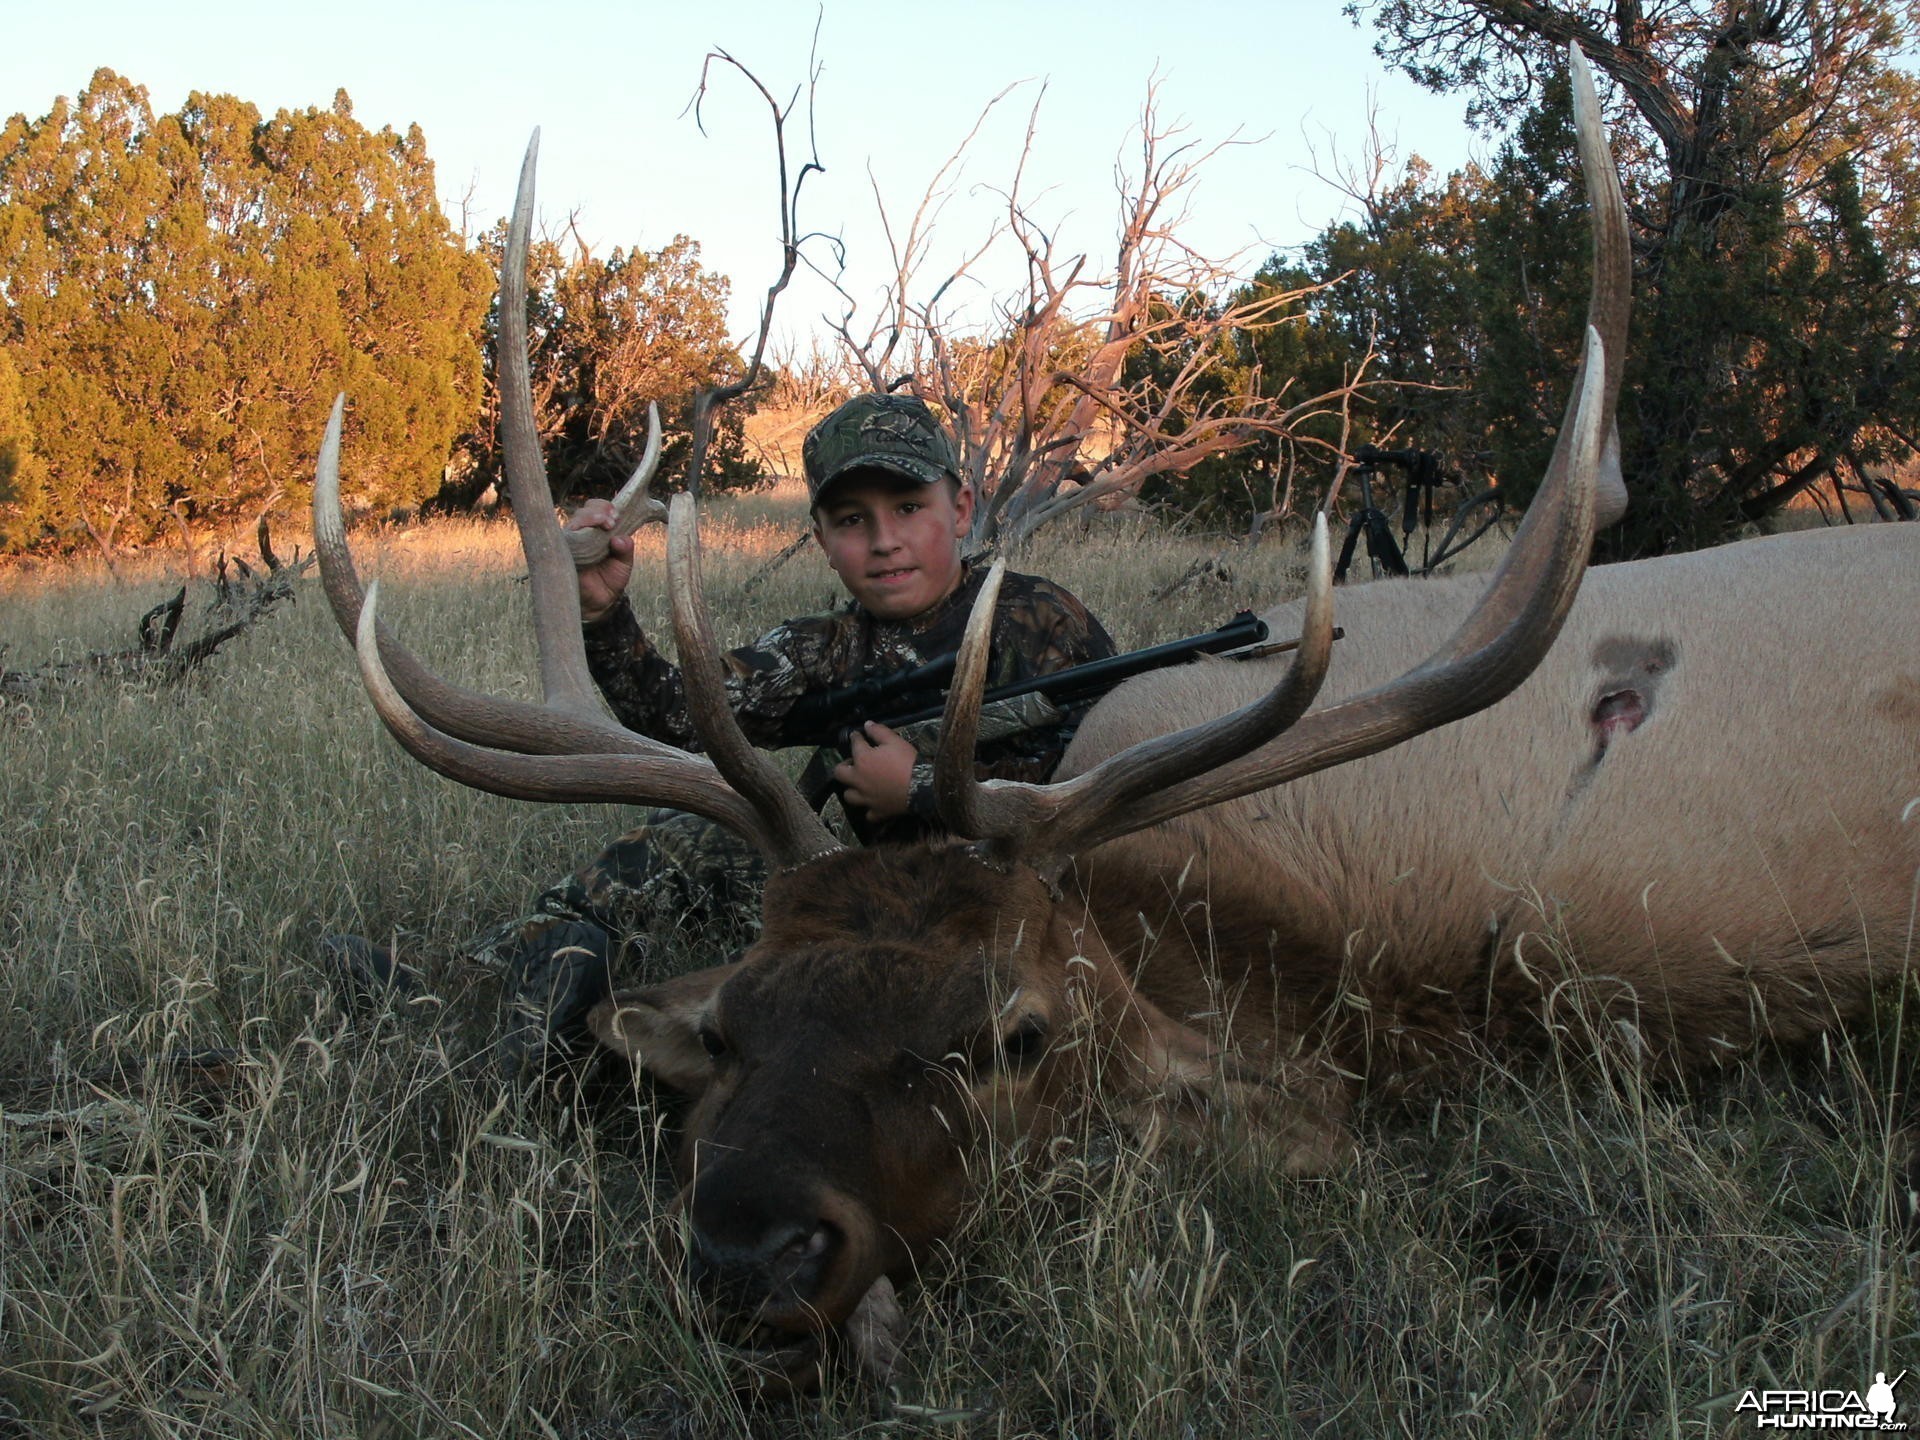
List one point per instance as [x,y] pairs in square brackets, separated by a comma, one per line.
[341,1225]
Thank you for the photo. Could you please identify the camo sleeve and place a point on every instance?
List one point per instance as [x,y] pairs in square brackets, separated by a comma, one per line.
[647,695]
[1040,628]
[1050,630]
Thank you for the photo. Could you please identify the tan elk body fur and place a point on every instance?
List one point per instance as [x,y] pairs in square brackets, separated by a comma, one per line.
[1743,861]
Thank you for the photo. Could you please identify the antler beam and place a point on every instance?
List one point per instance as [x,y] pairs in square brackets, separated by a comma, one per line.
[567,748]
[1493,651]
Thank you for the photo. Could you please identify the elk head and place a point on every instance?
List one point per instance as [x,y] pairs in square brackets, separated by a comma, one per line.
[904,1007]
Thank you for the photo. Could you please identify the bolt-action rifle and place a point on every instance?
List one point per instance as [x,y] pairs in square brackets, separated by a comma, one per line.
[911,702]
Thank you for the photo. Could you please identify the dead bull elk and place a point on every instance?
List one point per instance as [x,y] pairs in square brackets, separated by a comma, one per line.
[1172,922]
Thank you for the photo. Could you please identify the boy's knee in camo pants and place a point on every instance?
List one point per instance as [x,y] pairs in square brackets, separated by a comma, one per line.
[675,871]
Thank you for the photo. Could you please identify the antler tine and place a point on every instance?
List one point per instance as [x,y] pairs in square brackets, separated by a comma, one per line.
[798,834]
[632,507]
[1051,820]
[669,777]
[963,805]
[1608,307]
[556,593]
[483,719]
[1445,687]
[1496,647]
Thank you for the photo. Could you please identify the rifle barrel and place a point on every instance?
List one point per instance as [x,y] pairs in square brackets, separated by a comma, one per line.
[825,717]
[1096,677]
[825,710]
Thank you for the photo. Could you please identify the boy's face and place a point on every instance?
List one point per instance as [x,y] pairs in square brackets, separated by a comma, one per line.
[894,542]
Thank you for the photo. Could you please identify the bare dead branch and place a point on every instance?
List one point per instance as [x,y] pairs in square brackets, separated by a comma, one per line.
[706,400]
[1087,382]
[787,551]
[240,601]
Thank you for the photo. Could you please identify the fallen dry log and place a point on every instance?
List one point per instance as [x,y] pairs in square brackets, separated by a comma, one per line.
[242,596]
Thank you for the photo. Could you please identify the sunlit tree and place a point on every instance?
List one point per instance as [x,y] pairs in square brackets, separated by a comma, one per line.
[184,294]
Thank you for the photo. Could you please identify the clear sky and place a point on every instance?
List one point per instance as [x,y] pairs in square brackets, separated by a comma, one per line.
[901,84]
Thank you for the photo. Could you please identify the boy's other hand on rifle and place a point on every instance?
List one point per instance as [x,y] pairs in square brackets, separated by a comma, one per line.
[879,774]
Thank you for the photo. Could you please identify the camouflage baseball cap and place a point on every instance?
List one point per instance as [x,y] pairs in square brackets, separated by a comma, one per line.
[884,432]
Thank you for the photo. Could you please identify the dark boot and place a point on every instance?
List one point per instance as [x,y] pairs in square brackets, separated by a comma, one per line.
[559,974]
[366,975]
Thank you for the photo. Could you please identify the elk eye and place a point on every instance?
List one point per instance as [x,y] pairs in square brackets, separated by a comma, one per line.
[1025,1043]
[711,1042]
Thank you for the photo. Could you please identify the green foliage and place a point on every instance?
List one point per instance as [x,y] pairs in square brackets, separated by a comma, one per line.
[608,336]
[1391,298]
[1403,300]
[1772,172]
[185,293]
[1465,295]
[23,474]
[182,296]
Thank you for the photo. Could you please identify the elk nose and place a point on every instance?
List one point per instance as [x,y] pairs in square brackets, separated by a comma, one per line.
[784,1262]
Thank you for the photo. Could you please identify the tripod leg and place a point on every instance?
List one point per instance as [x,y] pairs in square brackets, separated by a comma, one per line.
[1380,544]
[1346,549]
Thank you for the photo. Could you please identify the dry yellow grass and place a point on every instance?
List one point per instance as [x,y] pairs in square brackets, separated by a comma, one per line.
[339,1225]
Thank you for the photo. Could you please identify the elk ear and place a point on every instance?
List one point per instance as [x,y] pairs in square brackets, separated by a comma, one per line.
[658,1028]
[1179,1084]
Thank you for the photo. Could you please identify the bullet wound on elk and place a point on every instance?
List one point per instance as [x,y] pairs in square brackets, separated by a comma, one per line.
[1898,699]
[1632,670]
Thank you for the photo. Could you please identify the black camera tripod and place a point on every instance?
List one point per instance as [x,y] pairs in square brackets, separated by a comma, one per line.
[1424,476]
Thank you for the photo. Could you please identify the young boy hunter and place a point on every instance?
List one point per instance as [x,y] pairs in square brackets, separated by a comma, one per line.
[890,511]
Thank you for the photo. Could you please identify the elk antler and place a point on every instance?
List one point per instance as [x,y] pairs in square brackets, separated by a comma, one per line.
[573,710]
[468,714]
[1049,819]
[567,748]
[1494,650]
[668,777]
[748,770]
[632,507]
[556,593]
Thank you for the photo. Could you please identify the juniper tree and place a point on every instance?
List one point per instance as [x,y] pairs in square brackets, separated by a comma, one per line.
[23,474]
[1770,160]
[609,336]
[183,294]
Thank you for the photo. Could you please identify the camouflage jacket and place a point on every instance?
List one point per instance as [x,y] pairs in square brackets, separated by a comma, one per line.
[1038,628]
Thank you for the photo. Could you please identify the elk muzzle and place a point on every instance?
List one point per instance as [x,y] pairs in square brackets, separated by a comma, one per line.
[776,1248]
